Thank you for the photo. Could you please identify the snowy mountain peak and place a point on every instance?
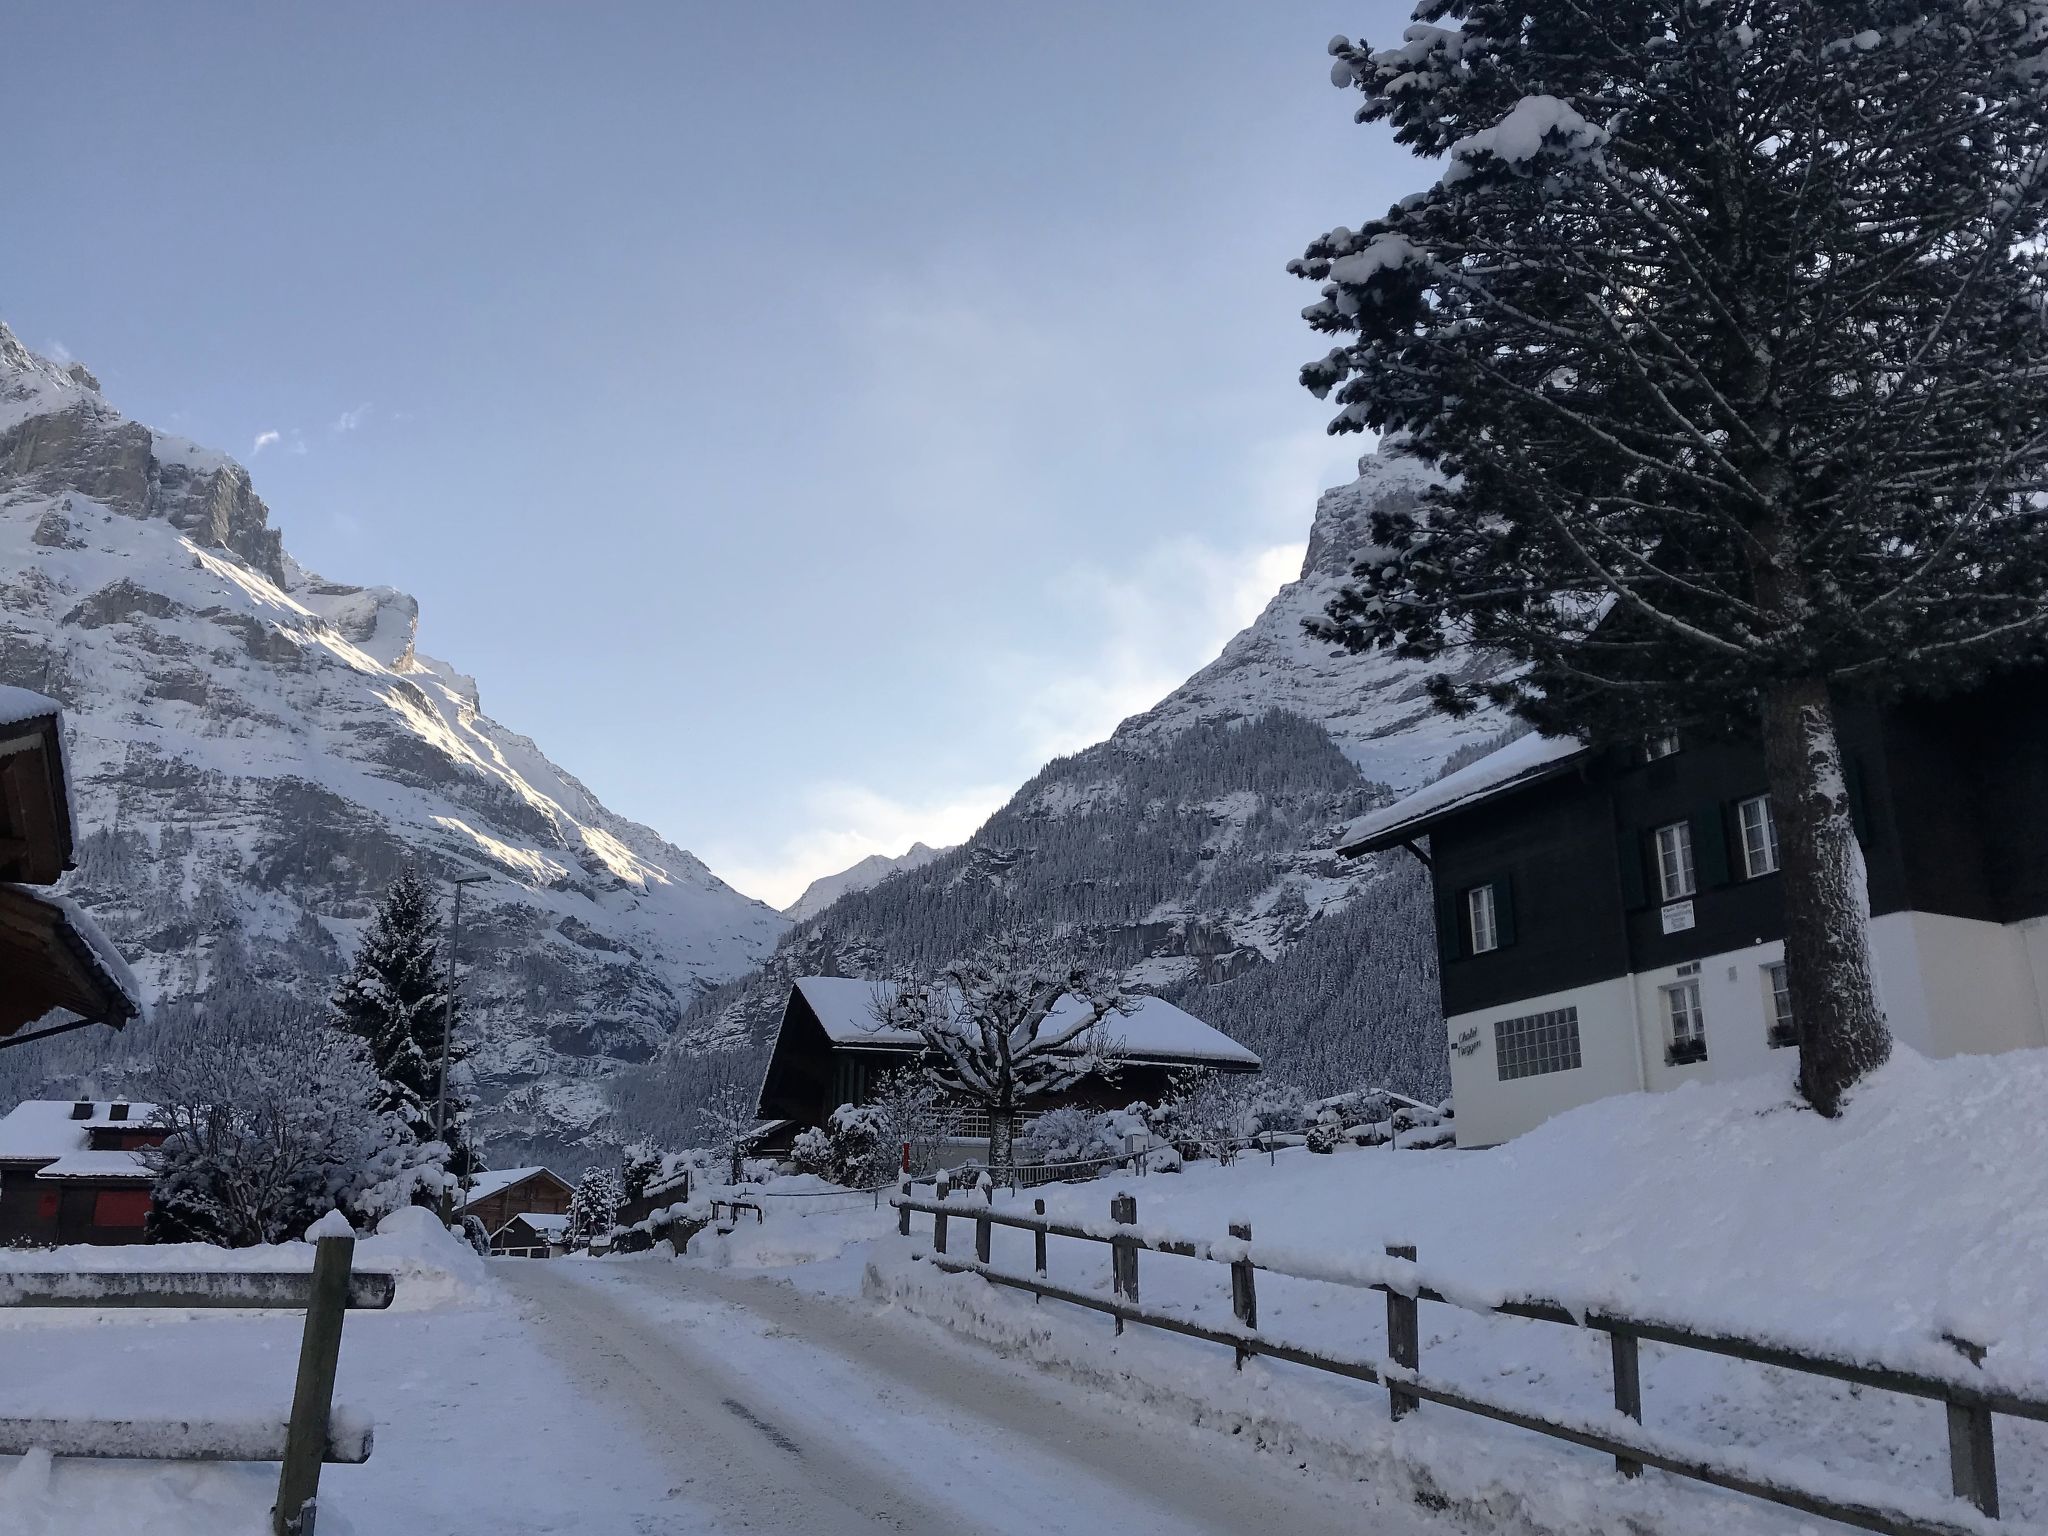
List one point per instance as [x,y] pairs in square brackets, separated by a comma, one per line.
[258,750]
[869,872]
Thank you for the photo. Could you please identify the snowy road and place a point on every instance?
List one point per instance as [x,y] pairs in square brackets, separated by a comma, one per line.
[775,1410]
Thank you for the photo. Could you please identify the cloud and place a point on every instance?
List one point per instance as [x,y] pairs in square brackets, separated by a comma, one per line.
[57,352]
[263,441]
[350,420]
[840,824]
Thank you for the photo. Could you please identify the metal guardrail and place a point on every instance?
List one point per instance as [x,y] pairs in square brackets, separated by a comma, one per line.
[1970,1404]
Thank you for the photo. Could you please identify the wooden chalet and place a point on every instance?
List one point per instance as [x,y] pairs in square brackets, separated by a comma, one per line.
[531,1235]
[55,963]
[70,1172]
[831,1050]
[496,1195]
[1610,919]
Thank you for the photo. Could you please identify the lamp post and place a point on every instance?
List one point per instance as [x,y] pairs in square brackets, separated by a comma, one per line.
[448,1021]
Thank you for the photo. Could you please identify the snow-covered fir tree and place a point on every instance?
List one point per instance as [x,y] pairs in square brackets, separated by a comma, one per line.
[395,999]
[594,1208]
[1726,320]
[990,1032]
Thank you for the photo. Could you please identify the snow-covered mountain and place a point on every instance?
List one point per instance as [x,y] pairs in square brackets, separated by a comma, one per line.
[256,750]
[1197,849]
[870,871]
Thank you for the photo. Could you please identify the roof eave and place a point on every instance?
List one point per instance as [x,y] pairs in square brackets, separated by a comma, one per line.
[1404,832]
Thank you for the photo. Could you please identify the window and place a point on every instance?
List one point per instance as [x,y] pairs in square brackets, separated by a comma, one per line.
[1537,1043]
[1675,875]
[1684,1024]
[1479,912]
[1778,1006]
[120,1207]
[1664,745]
[1759,837]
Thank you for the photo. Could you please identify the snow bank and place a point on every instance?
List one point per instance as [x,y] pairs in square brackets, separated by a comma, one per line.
[433,1266]
[1923,1211]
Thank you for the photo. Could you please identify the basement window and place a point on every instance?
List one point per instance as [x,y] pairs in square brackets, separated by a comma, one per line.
[1778,1006]
[1675,874]
[1536,1043]
[1759,837]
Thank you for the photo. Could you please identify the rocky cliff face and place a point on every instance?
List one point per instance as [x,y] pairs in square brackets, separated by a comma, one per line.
[257,750]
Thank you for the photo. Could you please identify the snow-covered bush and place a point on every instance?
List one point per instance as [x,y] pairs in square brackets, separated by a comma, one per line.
[1323,1136]
[270,1128]
[1069,1135]
[811,1152]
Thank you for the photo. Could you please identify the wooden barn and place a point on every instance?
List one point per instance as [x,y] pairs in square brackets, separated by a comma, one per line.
[58,971]
[496,1195]
[70,1173]
[831,1051]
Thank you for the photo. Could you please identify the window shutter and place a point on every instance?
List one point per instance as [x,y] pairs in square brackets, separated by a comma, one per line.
[1450,926]
[1710,845]
[1635,891]
[1504,912]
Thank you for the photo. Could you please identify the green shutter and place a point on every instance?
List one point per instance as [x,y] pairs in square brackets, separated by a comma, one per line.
[1710,845]
[1504,911]
[1450,927]
[1635,891]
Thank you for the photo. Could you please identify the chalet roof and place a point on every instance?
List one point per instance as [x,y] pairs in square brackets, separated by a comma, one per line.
[1526,760]
[19,704]
[40,1130]
[492,1181]
[53,955]
[1154,1031]
[97,1165]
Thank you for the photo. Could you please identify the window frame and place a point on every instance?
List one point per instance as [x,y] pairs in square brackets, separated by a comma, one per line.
[1682,1044]
[1537,1044]
[1687,870]
[1477,897]
[1780,1026]
[1767,827]
[1662,745]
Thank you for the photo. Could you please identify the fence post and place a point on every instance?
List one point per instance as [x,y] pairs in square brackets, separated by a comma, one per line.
[1404,1336]
[1038,1244]
[903,1212]
[1244,1300]
[982,1227]
[1628,1390]
[1123,1256]
[305,1439]
[1972,1467]
[944,1189]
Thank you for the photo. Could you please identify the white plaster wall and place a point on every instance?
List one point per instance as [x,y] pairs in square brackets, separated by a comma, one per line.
[1951,987]
[1491,1111]
[1736,1008]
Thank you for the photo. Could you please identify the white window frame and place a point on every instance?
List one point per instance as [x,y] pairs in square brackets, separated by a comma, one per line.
[1777,998]
[1677,873]
[1482,919]
[1664,744]
[1685,1020]
[1759,836]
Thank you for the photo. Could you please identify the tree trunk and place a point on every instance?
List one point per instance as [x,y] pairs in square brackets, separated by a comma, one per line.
[1842,1033]
[1002,1124]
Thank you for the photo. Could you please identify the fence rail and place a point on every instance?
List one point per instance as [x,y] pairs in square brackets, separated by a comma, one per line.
[309,1438]
[1971,1404]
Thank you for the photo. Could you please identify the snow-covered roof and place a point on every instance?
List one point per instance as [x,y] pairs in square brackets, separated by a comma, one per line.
[542,1222]
[1154,1030]
[19,704]
[493,1180]
[1525,760]
[43,1128]
[105,958]
[96,1165]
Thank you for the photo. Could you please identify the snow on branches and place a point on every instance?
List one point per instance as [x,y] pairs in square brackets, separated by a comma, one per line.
[1011,1024]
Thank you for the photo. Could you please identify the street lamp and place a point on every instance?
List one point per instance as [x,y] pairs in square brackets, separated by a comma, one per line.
[448,1009]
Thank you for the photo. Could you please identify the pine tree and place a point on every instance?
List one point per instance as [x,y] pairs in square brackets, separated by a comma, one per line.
[594,1208]
[395,998]
[1725,318]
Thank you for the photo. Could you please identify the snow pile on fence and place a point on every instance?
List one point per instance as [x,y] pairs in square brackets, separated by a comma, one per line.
[1923,1212]
[433,1266]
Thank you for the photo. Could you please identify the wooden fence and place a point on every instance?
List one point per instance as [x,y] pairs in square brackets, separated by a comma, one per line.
[1970,1405]
[301,1444]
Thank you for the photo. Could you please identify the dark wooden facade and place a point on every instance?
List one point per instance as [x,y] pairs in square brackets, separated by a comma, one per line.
[540,1192]
[41,1205]
[1950,800]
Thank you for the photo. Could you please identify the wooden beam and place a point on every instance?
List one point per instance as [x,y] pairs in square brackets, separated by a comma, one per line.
[289,1290]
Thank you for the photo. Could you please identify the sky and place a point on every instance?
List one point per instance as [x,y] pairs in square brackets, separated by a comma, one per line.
[804,420]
